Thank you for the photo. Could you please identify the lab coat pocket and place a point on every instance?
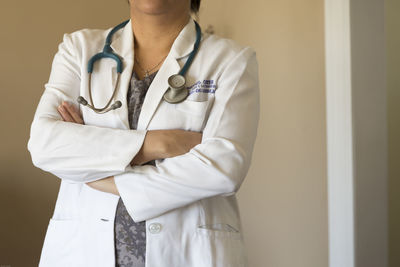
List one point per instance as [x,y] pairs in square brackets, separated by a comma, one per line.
[222,230]
[192,114]
[221,245]
[61,245]
[193,108]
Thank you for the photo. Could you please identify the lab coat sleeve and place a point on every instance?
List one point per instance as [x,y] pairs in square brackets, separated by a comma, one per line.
[75,152]
[218,165]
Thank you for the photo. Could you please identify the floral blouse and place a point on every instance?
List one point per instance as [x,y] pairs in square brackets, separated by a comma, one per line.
[130,236]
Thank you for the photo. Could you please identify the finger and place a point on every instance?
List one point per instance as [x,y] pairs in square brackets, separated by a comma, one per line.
[59,112]
[64,114]
[73,112]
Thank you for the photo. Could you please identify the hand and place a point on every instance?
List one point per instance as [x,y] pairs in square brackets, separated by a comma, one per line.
[70,113]
[105,185]
[161,144]
[178,142]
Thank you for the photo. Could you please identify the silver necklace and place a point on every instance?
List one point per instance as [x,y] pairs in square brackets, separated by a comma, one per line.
[147,72]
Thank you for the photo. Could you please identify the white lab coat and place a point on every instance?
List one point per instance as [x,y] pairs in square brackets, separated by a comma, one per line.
[188,201]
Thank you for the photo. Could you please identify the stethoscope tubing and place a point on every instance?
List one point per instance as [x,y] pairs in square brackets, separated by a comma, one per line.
[105,108]
[192,54]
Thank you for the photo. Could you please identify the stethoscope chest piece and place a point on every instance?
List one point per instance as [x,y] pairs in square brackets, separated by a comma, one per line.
[176,92]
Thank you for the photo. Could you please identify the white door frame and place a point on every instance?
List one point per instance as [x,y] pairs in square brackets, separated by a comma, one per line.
[339,133]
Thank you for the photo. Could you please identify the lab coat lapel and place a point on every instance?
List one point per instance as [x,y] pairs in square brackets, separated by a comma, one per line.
[156,91]
[123,45]
[181,47]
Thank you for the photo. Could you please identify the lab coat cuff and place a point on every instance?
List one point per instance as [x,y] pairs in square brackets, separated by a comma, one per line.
[133,195]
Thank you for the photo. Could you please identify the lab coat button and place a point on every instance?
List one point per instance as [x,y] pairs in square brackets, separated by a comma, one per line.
[155,228]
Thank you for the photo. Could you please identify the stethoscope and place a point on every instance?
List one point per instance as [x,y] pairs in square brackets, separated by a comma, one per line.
[176,92]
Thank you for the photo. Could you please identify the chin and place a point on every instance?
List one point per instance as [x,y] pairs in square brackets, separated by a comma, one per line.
[155,7]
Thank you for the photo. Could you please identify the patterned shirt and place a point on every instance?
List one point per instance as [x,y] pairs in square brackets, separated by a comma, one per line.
[130,236]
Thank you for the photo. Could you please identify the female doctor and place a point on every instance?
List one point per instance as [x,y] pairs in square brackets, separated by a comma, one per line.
[157,189]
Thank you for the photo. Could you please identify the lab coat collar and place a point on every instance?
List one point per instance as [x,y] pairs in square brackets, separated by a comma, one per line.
[184,43]
[123,44]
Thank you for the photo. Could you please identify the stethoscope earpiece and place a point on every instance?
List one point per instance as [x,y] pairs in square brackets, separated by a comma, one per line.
[116,105]
[82,101]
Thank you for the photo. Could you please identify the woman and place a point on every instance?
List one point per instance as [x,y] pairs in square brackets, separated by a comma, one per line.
[156,189]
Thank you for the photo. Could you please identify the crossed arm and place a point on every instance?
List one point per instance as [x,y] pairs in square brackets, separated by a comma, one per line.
[157,144]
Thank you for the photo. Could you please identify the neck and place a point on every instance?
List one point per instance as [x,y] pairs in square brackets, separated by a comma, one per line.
[156,32]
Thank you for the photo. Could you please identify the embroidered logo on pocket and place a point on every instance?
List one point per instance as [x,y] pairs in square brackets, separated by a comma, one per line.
[201,89]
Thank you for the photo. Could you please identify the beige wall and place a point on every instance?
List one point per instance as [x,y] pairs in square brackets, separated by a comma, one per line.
[393,97]
[283,200]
